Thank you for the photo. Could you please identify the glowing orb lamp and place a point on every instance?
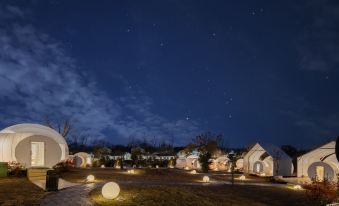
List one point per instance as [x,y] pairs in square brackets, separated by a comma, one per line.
[242,177]
[102,166]
[193,172]
[157,166]
[110,190]
[90,178]
[131,171]
[205,179]
[297,187]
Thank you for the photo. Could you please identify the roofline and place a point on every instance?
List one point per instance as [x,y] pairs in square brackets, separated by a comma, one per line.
[315,148]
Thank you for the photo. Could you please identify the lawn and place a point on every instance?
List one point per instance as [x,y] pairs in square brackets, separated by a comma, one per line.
[157,187]
[158,195]
[19,191]
[149,175]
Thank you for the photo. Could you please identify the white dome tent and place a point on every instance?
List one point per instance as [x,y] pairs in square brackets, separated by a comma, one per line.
[82,160]
[267,160]
[319,163]
[32,145]
[239,164]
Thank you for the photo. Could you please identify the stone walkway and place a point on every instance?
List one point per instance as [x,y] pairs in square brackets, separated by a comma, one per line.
[72,196]
[63,184]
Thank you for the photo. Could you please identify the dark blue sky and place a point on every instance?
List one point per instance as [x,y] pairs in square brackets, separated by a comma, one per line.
[252,70]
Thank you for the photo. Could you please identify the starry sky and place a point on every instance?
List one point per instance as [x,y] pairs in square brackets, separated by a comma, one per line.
[252,70]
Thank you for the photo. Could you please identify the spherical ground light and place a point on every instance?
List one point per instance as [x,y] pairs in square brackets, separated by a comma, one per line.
[193,172]
[131,171]
[297,187]
[205,179]
[110,190]
[102,166]
[242,177]
[90,178]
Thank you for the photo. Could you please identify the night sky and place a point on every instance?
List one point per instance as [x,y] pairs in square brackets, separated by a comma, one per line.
[252,70]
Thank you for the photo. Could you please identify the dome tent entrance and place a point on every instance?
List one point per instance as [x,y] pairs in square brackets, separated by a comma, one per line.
[32,145]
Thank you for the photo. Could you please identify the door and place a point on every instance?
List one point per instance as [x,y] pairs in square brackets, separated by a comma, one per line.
[258,168]
[37,154]
[320,174]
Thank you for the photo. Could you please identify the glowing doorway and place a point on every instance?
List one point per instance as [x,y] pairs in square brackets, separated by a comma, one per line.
[37,154]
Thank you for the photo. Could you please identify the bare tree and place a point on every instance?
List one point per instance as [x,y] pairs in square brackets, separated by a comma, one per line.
[63,127]
[207,143]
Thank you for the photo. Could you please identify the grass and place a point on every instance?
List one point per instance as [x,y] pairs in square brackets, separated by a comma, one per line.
[19,191]
[201,195]
[149,175]
[150,187]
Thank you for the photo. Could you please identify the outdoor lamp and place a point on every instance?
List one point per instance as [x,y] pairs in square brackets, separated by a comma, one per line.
[90,178]
[205,179]
[110,190]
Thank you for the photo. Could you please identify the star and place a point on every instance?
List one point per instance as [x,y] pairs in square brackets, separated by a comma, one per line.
[230,116]
[187,118]
[161,44]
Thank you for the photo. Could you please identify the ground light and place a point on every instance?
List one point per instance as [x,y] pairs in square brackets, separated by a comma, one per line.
[205,179]
[193,172]
[131,171]
[297,187]
[242,177]
[102,166]
[157,166]
[110,190]
[90,178]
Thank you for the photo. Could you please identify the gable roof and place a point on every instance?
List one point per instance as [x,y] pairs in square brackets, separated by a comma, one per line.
[328,146]
[272,150]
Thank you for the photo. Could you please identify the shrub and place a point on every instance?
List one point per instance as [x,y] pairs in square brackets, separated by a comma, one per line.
[204,159]
[322,193]
[16,169]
